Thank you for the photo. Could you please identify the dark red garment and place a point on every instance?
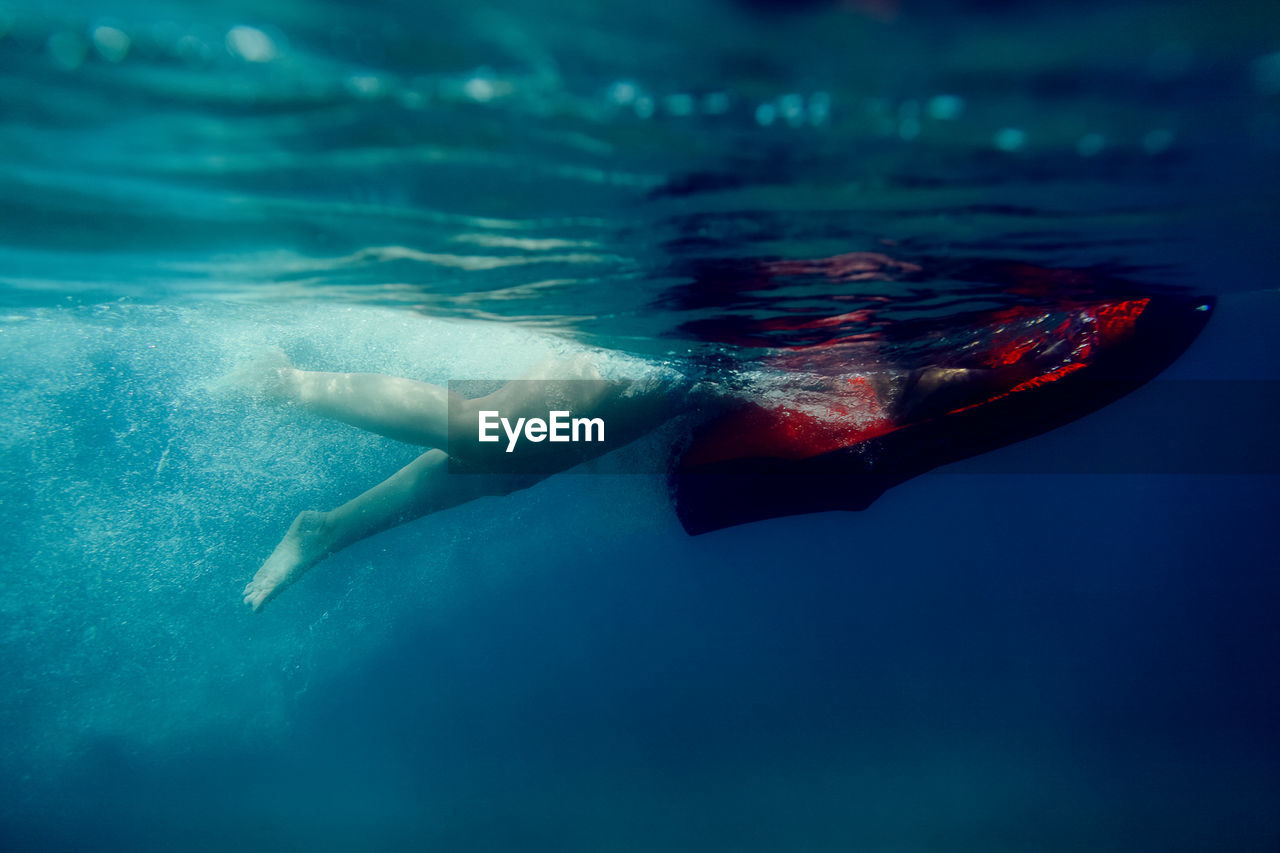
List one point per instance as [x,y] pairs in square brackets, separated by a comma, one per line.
[1028,368]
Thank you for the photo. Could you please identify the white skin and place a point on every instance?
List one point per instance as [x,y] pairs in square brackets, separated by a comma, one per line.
[418,413]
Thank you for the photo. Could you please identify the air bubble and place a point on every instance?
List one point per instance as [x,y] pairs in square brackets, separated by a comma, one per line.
[1010,139]
[479,89]
[112,43]
[623,92]
[791,107]
[250,44]
[365,85]
[945,107]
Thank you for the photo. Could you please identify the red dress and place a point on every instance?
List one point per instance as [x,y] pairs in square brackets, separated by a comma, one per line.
[839,443]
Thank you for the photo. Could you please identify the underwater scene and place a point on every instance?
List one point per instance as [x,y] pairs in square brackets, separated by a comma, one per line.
[935,347]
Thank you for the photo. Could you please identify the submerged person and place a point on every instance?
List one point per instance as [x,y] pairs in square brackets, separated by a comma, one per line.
[428,415]
[851,433]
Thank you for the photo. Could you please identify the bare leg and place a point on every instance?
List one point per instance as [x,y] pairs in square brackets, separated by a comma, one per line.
[420,488]
[402,409]
[419,413]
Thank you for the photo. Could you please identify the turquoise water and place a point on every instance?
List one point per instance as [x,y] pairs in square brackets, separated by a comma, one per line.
[978,661]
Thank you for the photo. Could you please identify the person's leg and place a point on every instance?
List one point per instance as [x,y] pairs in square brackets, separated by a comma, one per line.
[420,488]
[403,409]
[419,413]
[411,411]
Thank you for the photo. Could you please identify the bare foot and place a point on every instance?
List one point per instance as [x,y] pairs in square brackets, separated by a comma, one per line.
[269,377]
[300,549]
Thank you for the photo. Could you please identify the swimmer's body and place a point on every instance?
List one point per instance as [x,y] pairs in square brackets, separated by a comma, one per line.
[744,461]
[419,413]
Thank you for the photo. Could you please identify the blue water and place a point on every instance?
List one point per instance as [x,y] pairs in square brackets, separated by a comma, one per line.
[993,662]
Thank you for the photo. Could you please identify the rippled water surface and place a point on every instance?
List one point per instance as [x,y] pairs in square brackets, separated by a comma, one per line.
[564,164]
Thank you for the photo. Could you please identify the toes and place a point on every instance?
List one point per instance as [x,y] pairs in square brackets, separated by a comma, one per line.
[253,594]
